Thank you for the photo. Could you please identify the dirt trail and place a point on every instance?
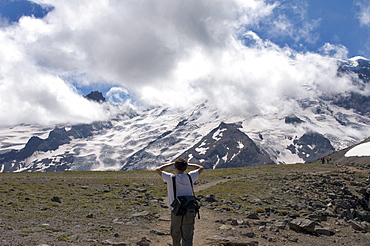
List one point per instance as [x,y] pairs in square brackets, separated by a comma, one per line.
[205,227]
[210,184]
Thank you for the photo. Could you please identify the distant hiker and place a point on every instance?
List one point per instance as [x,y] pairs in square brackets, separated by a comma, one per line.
[322,160]
[328,159]
[182,226]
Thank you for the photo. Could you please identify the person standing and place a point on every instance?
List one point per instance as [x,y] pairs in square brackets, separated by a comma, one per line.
[182,227]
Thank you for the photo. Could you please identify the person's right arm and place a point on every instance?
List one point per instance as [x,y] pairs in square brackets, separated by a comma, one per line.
[160,169]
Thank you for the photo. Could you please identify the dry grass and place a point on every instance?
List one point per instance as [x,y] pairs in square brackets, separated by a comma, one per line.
[26,204]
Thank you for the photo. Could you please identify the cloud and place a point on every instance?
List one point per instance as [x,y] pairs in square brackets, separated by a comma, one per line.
[170,52]
[336,51]
[364,12]
[118,94]
[135,42]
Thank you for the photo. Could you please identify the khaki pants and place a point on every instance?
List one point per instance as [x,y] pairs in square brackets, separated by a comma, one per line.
[182,227]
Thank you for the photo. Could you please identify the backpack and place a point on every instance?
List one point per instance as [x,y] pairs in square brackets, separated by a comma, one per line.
[184,204]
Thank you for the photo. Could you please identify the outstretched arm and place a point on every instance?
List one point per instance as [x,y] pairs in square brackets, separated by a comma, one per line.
[160,169]
[195,166]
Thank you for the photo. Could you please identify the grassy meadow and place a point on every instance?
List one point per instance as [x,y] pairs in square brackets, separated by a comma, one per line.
[29,202]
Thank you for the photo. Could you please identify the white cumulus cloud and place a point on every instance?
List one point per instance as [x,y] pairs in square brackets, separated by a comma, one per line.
[169,52]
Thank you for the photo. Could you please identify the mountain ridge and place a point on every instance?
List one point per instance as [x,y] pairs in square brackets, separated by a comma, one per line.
[141,139]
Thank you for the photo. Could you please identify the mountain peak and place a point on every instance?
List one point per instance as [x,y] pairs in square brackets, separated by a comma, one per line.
[96,96]
[226,146]
[356,58]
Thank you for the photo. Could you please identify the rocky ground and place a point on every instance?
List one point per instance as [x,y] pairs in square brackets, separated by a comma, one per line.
[309,204]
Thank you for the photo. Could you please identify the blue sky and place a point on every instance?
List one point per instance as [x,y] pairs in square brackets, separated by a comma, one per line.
[328,21]
[13,10]
[258,52]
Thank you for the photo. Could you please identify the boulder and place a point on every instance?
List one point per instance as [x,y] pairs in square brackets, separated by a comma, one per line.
[253,215]
[56,199]
[210,198]
[303,225]
[360,226]
[324,231]
[363,215]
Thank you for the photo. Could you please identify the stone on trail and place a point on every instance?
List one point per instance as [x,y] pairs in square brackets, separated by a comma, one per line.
[143,242]
[110,242]
[324,231]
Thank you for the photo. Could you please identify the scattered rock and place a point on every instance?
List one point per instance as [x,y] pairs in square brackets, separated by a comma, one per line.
[363,215]
[360,226]
[281,224]
[324,231]
[121,220]
[143,242]
[236,222]
[303,225]
[141,214]
[221,240]
[110,242]
[226,227]
[90,216]
[160,233]
[253,215]
[210,198]
[56,199]
[253,243]
[249,234]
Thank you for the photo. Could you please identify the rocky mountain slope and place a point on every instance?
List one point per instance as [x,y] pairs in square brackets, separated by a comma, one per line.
[143,138]
[227,146]
[358,154]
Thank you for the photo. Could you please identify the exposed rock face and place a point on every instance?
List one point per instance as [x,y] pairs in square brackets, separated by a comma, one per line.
[293,119]
[311,146]
[96,96]
[227,146]
[360,70]
[355,101]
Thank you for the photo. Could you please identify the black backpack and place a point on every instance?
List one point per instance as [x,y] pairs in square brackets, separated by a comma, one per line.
[184,204]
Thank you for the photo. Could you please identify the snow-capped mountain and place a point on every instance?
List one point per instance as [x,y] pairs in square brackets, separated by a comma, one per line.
[142,139]
[227,146]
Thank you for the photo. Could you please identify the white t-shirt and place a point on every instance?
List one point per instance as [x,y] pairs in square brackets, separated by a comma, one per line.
[183,187]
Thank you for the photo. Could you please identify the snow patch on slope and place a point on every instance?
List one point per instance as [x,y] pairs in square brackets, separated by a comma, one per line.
[359,150]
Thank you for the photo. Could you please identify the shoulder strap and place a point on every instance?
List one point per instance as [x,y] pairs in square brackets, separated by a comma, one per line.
[191,183]
[174,186]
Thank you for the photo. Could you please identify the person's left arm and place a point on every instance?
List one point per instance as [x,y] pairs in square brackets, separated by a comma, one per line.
[196,167]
